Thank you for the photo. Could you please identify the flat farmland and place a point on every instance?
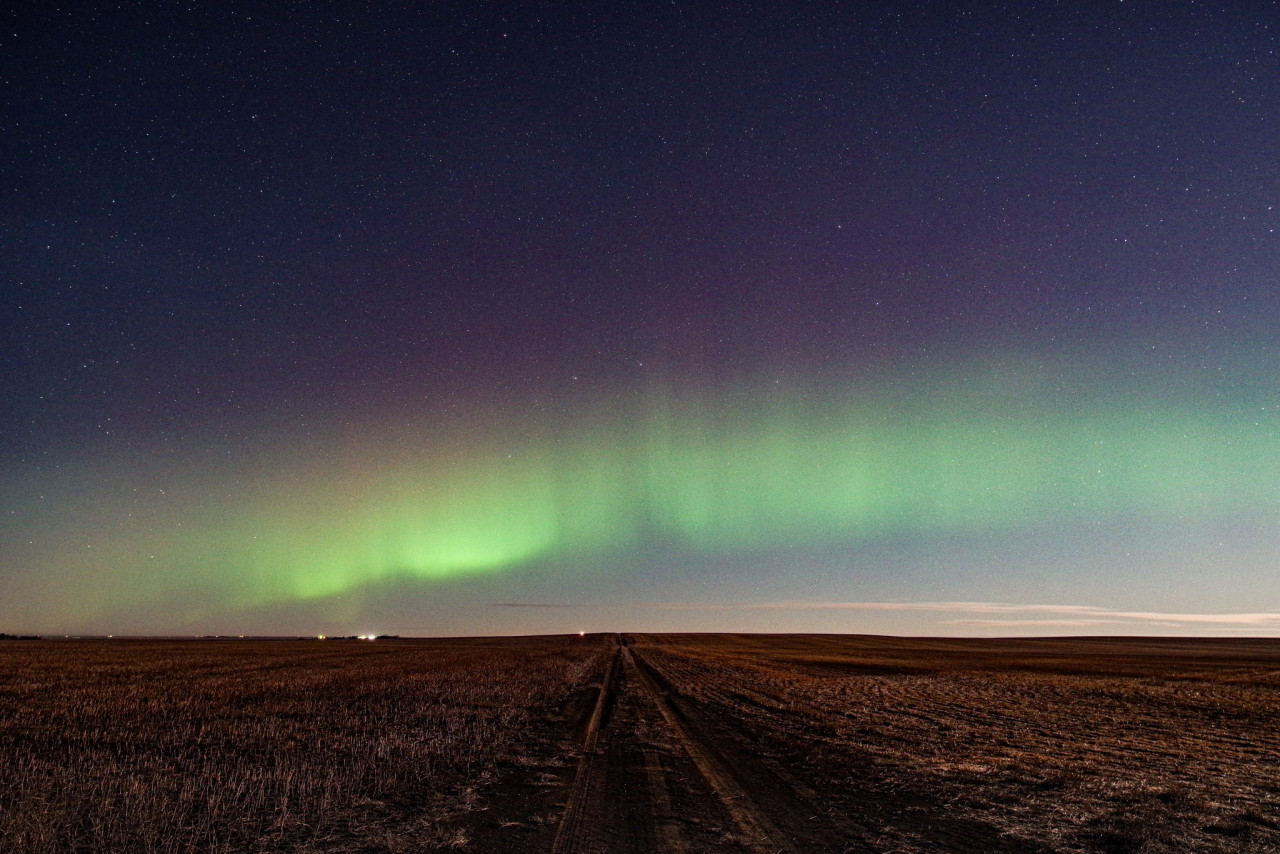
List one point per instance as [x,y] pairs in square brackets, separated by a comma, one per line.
[887,744]
[641,743]
[225,746]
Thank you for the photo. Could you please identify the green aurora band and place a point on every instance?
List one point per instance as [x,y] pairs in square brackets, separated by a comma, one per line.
[699,473]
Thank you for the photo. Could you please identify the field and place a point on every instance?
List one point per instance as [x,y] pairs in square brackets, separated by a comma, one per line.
[213,746]
[641,743]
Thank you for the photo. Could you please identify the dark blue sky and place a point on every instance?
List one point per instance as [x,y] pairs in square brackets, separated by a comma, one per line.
[229,232]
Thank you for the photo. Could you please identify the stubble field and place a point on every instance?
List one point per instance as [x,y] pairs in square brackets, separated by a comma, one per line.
[641,743]
[213,746]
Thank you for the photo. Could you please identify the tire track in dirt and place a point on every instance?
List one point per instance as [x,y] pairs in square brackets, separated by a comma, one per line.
[800,818]
[673,840]
[636,790]
[757,832]
[576,832]
[797,820]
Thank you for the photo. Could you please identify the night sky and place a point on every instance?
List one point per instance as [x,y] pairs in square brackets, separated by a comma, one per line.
[499,318]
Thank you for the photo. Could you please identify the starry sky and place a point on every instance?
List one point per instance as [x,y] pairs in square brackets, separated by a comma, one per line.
[480,318]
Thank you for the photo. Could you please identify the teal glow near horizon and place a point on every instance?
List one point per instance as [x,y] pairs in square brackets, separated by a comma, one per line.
[735,471]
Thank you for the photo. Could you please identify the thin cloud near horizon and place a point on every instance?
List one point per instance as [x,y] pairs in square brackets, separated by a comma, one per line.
[1085,615]
[984,614]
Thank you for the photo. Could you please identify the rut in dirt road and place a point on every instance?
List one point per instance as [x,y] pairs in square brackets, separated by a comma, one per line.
[648,782]
[636,790]
[575,831]
[756,832]
[661,771]
[779,805]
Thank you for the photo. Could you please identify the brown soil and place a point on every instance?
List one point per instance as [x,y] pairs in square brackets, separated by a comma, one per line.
[884,744]
[643,743]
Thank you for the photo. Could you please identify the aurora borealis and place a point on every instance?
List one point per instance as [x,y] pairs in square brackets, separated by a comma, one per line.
[740,331]
[686,476]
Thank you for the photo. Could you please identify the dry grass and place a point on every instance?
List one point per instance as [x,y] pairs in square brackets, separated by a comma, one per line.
[1107,746]
[265,746]
[1062,746]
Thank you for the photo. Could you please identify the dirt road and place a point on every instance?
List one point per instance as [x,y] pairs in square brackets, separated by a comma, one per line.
[654,777]
[660,772]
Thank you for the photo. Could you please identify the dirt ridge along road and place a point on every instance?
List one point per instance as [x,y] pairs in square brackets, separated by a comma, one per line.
[637,790]
[624,796]
[662,773]
[574,831]
[801,819]
[756,832]
[794,822]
